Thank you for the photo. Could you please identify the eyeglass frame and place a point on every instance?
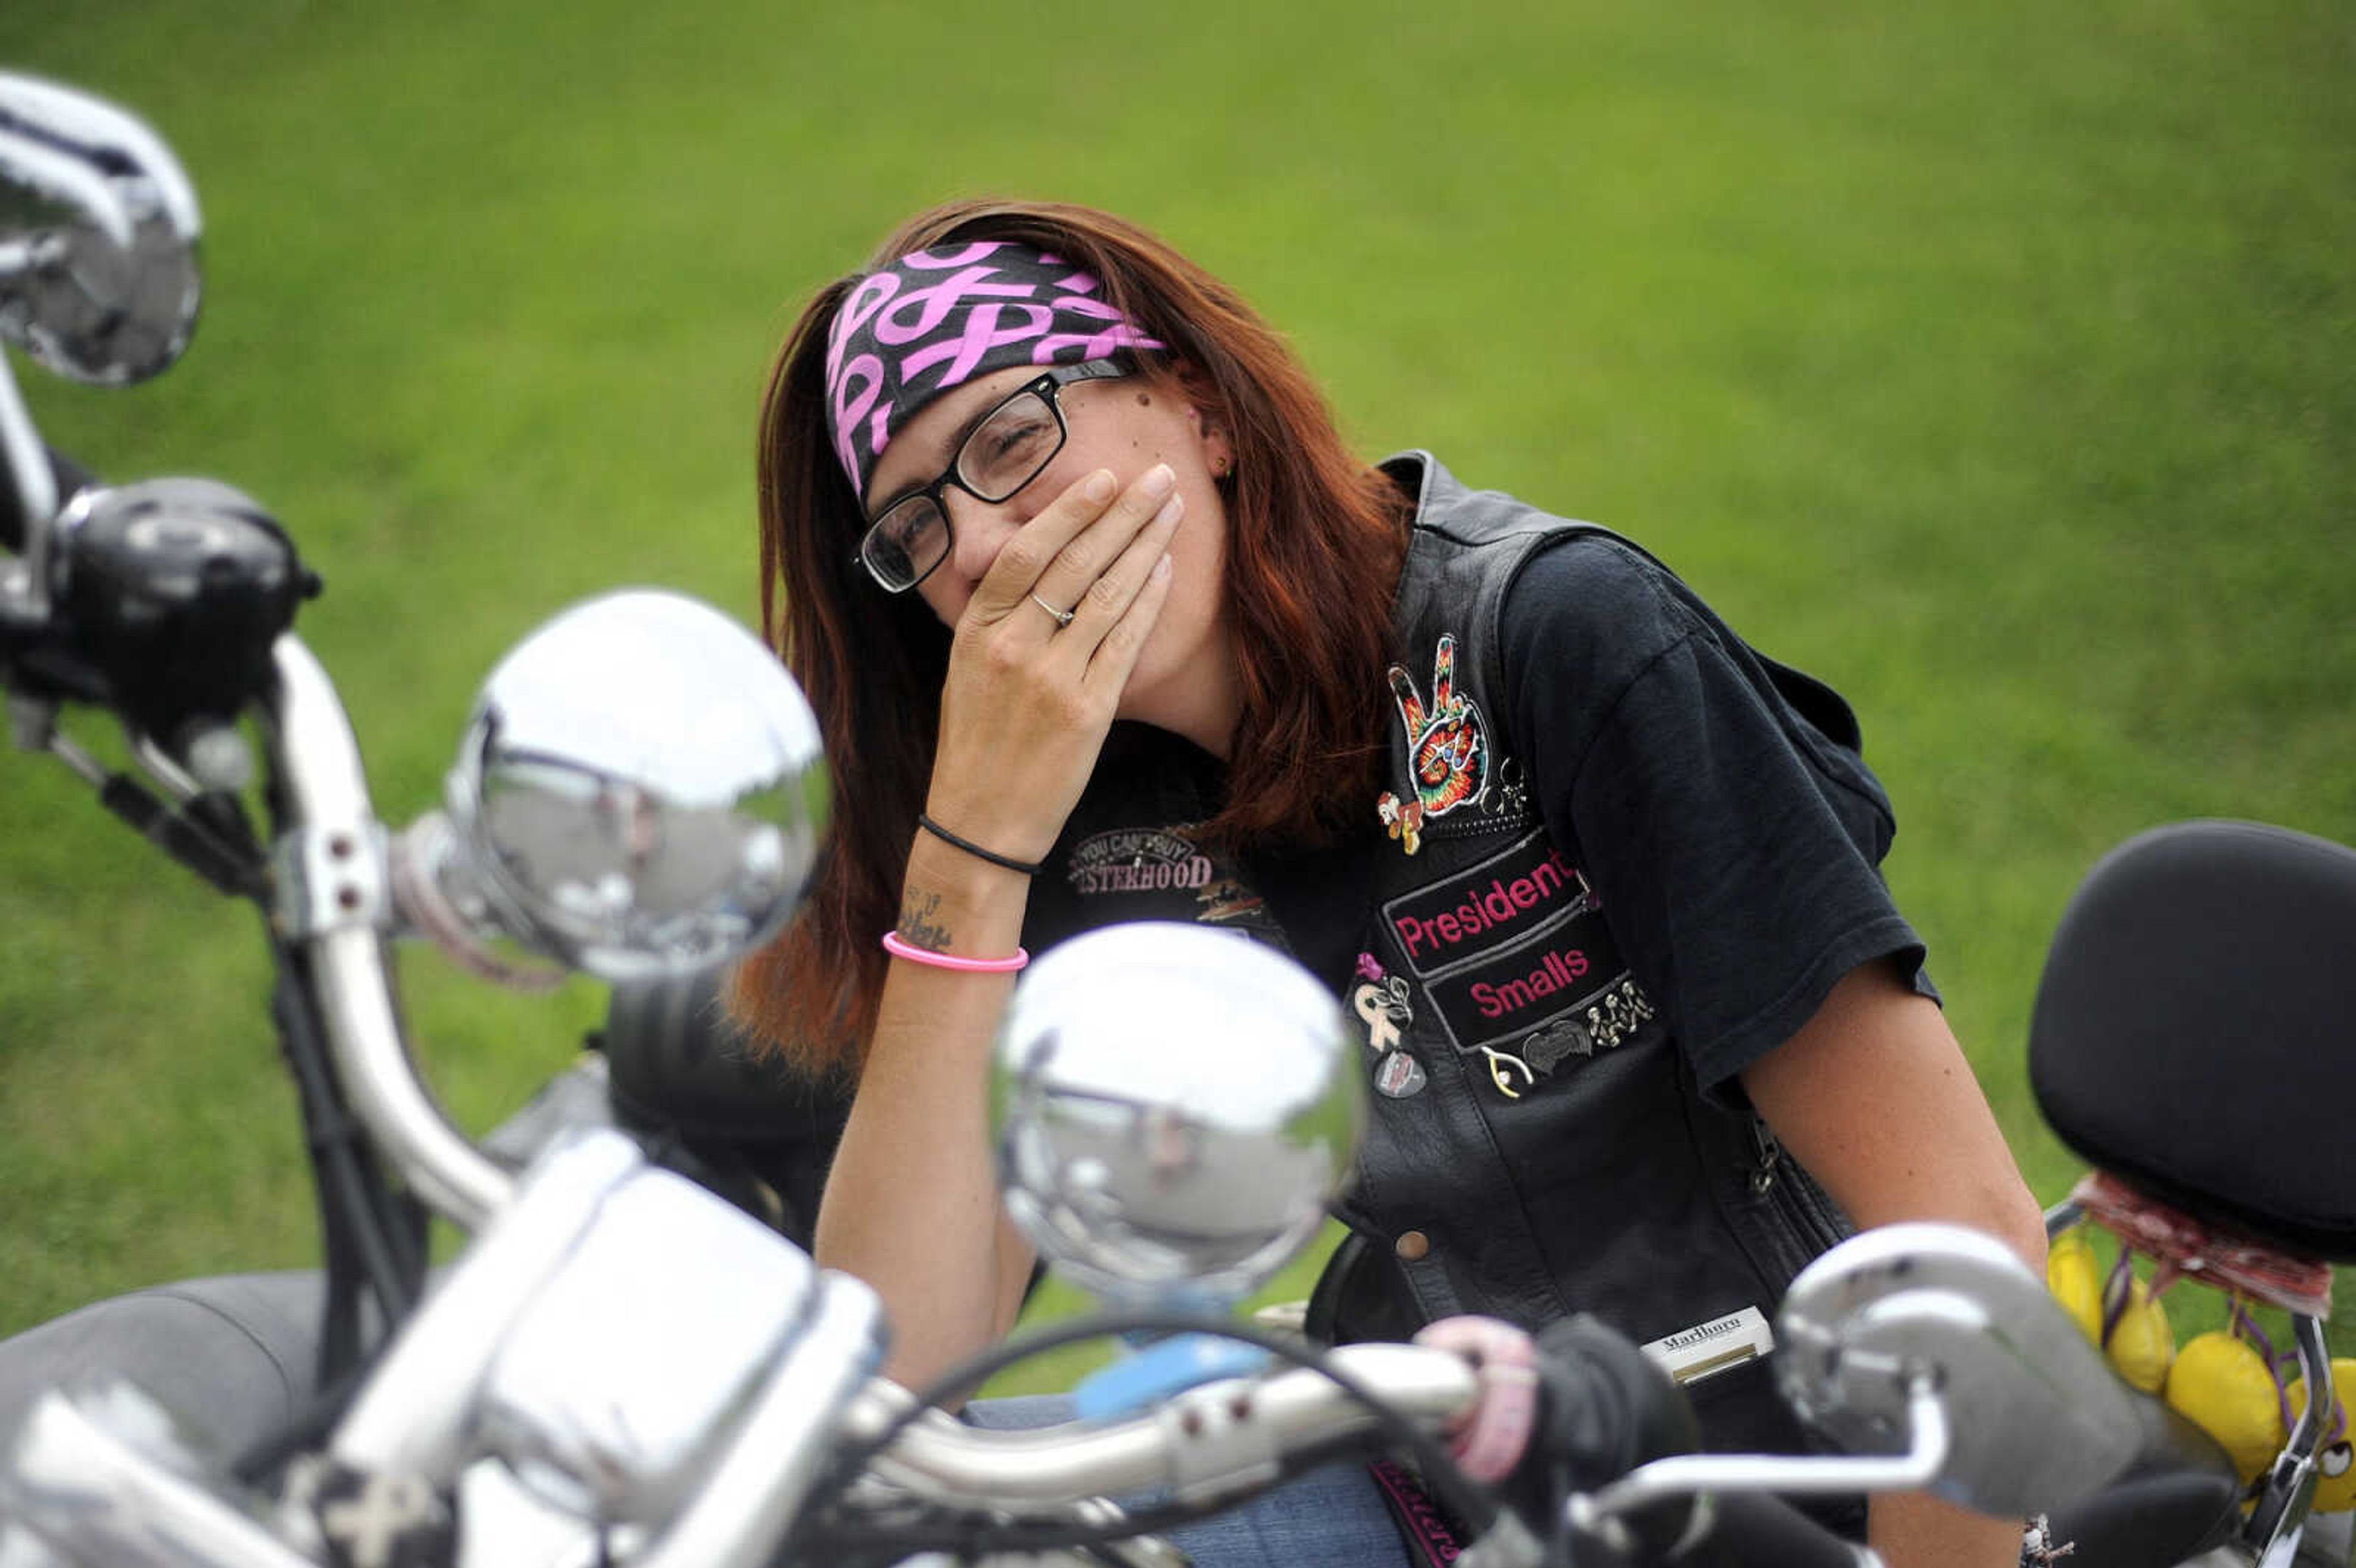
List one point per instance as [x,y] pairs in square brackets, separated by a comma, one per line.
[1048,387]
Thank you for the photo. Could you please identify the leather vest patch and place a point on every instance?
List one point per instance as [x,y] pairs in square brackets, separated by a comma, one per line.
[1514,947]
[1502,900]
[1447,747]
[1554,981]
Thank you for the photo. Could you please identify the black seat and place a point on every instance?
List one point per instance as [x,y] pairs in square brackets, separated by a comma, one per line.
[2194,1027]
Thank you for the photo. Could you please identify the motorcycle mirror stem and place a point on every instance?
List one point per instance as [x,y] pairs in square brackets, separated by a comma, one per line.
[99,154]
[28,501]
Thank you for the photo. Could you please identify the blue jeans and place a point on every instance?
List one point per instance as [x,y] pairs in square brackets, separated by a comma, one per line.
[236,1355]
[1331,1518]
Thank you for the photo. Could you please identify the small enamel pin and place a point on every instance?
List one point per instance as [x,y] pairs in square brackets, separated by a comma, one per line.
[1617,1014]
[1511,798]
[1547,1048]
[1503,1065]
[1402,822]
[1382,1002]
[1398,1075]
[1383,1008]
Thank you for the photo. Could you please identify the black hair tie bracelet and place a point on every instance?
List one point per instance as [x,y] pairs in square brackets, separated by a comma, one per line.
[1028,868]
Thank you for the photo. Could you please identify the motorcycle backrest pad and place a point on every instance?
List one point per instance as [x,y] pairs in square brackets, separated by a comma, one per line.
[2193,1029]
[681,1072]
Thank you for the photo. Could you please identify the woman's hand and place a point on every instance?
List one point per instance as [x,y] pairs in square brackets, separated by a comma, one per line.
[1028,702]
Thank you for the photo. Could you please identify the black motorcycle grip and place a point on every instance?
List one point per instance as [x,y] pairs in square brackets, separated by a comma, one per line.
[1754,1530]
[70,476]
[1605,1409]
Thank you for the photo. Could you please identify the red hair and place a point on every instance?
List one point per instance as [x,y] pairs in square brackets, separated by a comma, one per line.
[1316,541]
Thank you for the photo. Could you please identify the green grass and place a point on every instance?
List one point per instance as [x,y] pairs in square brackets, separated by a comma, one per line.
[1993,361]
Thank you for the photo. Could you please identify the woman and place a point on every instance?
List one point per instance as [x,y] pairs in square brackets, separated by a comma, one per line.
[1102,621]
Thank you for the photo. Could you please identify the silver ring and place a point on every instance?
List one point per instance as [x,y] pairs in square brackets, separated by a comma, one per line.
[1062,617]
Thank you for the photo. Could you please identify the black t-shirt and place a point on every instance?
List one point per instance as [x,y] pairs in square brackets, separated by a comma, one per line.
[1724,814]
[1129,852]
[1728,823]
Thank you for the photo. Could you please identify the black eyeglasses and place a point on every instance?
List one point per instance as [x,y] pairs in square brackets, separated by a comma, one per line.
[1011,446]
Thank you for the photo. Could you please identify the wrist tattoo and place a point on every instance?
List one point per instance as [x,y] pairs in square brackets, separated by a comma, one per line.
[917,926]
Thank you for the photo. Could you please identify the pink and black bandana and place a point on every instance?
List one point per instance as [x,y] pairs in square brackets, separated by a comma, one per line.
[935,319]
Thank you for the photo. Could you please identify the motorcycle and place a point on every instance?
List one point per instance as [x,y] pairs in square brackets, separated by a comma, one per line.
[624,1366]
[2183,1041]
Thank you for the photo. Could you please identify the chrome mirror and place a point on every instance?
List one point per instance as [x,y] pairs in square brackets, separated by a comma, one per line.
[639,794]
[2036,1418]
[98,281]
[1172,1108]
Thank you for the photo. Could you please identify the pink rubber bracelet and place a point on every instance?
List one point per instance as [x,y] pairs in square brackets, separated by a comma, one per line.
[899,947]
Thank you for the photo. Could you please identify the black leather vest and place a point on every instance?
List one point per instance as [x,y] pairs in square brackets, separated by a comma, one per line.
[1537,1144]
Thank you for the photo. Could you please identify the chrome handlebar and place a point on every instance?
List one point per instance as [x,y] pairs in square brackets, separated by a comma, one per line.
[99,1495]
[104,1498]
[1197,1444]
[625,1352]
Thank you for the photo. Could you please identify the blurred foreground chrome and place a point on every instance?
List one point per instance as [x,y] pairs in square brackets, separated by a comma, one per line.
[630,1349]
[1173,1108]
[98,281]
[1939,1296]
[639,793]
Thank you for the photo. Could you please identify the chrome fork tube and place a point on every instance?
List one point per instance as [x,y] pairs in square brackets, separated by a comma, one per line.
[337,840]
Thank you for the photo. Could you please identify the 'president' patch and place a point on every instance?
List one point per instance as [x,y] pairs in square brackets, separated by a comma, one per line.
[1517,958]
[1507,899]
